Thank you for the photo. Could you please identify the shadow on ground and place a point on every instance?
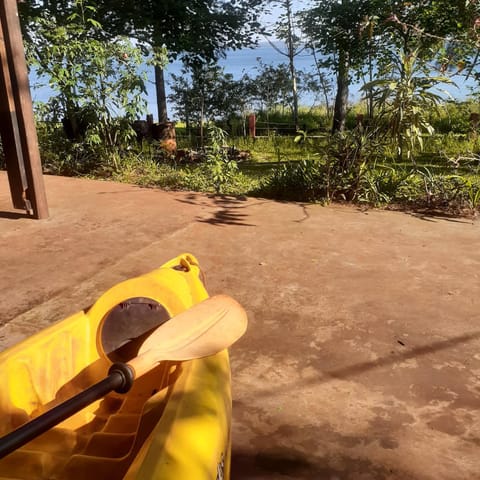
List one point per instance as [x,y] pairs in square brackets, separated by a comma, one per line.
[13,215]
[230,210]
[281,462]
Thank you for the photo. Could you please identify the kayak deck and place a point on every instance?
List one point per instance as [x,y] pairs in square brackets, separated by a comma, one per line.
[104,444]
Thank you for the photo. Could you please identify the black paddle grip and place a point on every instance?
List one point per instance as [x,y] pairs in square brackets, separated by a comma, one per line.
[127,374]
[120,379]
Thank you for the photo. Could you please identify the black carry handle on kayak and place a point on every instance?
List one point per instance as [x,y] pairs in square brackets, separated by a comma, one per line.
[203,330]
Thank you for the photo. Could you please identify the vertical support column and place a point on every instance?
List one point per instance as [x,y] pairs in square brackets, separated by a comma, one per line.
[27,165]
[11,142]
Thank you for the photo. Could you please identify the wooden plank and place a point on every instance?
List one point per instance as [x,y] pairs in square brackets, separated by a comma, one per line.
[12,146]
[15,55]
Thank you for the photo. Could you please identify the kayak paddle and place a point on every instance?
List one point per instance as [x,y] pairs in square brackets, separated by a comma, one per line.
[203,330]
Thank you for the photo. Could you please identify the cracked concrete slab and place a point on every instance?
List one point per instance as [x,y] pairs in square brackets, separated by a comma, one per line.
[362,358]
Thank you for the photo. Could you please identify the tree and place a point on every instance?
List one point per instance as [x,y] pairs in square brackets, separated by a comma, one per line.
[355,35]
[405,99]
[203,92]
[444,31]
[335,29]
[323,81]
[285,30]
[271,87]
[416,39]
[196,31]
[97,84]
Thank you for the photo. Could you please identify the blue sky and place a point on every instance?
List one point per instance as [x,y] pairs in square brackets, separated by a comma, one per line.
[276,10]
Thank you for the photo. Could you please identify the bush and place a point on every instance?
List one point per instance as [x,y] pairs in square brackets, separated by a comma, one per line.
[452,145]
[97,82]
[380,186]
[310,120]
[349,155]
[454,118]
[299,181]
[337,173]
[60,156]
[443,191]
[219,167]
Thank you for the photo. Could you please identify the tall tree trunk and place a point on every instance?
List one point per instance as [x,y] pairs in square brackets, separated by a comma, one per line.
[187,122]
[202,120]
[341,99]
[291,57]
[161,96]
[370,104]
[323,83]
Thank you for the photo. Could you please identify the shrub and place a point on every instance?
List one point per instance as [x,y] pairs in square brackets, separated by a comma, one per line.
[300,181]
[380,186]
[454,118]
[219,167]
[348,157]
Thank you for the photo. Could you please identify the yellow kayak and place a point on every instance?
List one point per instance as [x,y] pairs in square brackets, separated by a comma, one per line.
[175,421]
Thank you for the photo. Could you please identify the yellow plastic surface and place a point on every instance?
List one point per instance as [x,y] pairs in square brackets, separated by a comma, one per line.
[173,424]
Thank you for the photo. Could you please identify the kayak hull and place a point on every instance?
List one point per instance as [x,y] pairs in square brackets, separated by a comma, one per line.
[174,423]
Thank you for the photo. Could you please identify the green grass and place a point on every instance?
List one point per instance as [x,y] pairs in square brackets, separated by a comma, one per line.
[279,149]
[281,168]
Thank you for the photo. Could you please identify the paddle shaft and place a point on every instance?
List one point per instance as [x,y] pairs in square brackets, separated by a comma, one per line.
[120,378]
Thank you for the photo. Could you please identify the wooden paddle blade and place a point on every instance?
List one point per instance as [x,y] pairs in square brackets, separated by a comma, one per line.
[203,330]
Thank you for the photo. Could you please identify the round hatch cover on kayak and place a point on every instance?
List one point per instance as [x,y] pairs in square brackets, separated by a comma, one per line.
[128,324]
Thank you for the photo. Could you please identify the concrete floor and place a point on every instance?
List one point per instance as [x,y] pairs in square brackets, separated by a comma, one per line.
[362,358]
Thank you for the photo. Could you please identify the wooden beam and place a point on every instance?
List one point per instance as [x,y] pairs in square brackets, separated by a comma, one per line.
[21,117]
[11,142]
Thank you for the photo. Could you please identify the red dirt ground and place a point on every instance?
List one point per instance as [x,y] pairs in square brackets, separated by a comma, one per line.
[362,359]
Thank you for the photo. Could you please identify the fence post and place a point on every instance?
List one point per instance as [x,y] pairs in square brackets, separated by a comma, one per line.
[252,123]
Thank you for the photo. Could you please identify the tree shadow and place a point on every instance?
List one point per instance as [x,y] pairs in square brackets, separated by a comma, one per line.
[248,464]
[229,211]
[348,371]
[435,216]
[319,449]
[227,216]
[358,368]
[192,199]
[273,461]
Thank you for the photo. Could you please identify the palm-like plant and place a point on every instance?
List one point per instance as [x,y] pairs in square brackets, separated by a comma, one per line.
[404,99]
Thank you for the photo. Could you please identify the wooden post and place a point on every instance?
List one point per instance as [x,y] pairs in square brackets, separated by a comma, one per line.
[12,146]
[19,132]
[252,125]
